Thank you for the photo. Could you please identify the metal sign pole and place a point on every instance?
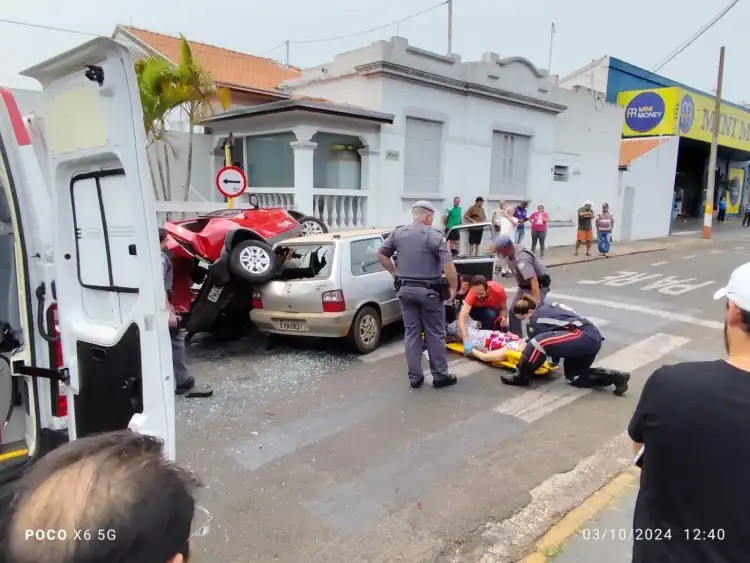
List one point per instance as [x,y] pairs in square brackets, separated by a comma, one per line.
[708,212]
[228,162]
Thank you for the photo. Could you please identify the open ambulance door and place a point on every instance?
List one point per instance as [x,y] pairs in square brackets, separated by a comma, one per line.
[116,352]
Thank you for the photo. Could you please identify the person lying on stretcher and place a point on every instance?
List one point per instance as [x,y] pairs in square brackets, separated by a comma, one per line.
[486,345]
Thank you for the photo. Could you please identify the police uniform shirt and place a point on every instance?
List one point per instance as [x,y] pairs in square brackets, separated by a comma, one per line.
[422,251]
[525,266]
[556,316]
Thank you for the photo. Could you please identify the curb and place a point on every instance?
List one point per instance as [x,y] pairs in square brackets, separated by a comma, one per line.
[551,543]
[595,258]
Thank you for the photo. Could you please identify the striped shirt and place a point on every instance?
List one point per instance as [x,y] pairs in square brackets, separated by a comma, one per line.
[604,222]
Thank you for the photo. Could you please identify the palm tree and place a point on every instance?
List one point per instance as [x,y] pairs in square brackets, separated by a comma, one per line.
[160,93]
[199,91]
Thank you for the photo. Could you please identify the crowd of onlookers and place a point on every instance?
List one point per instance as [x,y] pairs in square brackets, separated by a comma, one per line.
[516,220]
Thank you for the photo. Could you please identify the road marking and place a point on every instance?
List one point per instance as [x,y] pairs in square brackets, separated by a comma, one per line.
[536,403]
[739,248]
[643,352]
[598,322]
[717,251]
[685,233]
[688,257]
[667,285]
[660,263]
[677,317]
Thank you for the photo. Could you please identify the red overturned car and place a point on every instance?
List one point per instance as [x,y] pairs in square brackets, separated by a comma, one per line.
[226,253]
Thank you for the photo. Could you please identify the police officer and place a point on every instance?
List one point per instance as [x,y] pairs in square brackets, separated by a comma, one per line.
[531,275]
[556,330]
[422,257]
[184,383]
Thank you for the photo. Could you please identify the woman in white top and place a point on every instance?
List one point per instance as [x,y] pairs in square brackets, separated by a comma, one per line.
[504,223]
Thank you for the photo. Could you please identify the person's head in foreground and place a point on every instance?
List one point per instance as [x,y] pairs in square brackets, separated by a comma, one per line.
[540,208]
[605,208]
[479,201]
[587,205]
[524,307]
[423,212]
[503,245]
[737,320]
[126,501]
[456,201]
[480,287]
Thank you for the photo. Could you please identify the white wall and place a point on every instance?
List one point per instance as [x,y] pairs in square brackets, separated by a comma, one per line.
[652,178]
[468,125]
[202,175]
[593,76]
[585,137]
[587,140]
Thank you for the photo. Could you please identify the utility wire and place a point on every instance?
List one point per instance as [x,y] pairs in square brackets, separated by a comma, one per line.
[378,28]
[700,32]
[50,28]
[303,42]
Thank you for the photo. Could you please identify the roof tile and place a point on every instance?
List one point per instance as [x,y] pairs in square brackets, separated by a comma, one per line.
[229,68]
[630,149]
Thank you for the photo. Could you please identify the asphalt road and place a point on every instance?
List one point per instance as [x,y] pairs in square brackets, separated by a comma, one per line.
[311,454]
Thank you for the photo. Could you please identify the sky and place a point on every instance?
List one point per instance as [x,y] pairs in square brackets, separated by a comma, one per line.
[641,32]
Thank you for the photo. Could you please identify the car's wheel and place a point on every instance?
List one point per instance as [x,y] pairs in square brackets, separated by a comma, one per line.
[312,226]
[252,261]
[366,330]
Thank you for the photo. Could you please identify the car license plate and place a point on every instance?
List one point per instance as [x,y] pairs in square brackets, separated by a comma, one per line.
[295,326]
[214,294]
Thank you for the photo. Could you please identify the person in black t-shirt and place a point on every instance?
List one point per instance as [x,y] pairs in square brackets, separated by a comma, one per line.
[693,423]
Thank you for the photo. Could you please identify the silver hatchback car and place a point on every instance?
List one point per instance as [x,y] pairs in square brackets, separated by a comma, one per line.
[329,285]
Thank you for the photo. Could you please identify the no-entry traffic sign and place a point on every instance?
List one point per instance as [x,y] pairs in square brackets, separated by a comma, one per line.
[231,181]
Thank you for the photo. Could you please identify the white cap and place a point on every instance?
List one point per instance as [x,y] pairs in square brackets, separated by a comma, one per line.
[738,288]
[588,202]
[424,205]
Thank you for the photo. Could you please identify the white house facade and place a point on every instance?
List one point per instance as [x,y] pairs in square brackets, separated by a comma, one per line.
[496,128]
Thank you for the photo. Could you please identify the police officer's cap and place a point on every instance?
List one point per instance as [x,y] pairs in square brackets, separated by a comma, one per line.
[424,205]
[502,241]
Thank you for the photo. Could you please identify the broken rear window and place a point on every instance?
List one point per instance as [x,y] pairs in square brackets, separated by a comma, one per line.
[305,261]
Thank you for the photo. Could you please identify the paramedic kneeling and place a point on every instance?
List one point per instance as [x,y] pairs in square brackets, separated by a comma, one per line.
[531,275]
[558,331]
[485,302]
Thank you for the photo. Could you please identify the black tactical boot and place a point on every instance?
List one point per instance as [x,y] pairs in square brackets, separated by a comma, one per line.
[621,383]
[602,377]
[514,378]
[445,381]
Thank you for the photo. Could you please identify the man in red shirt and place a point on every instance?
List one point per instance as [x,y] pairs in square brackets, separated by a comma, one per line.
[486,303]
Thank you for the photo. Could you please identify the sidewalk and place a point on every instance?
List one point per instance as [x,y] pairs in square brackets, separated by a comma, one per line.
[564,255]
[606,537]
[598,530]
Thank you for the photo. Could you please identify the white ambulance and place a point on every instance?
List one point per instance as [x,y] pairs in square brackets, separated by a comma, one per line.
[84,343]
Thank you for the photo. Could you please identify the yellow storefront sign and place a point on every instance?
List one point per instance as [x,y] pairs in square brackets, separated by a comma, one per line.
[674,111]
[649,113]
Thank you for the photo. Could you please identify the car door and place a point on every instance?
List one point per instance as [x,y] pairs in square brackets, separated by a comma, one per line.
[109,284]
[374,283]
